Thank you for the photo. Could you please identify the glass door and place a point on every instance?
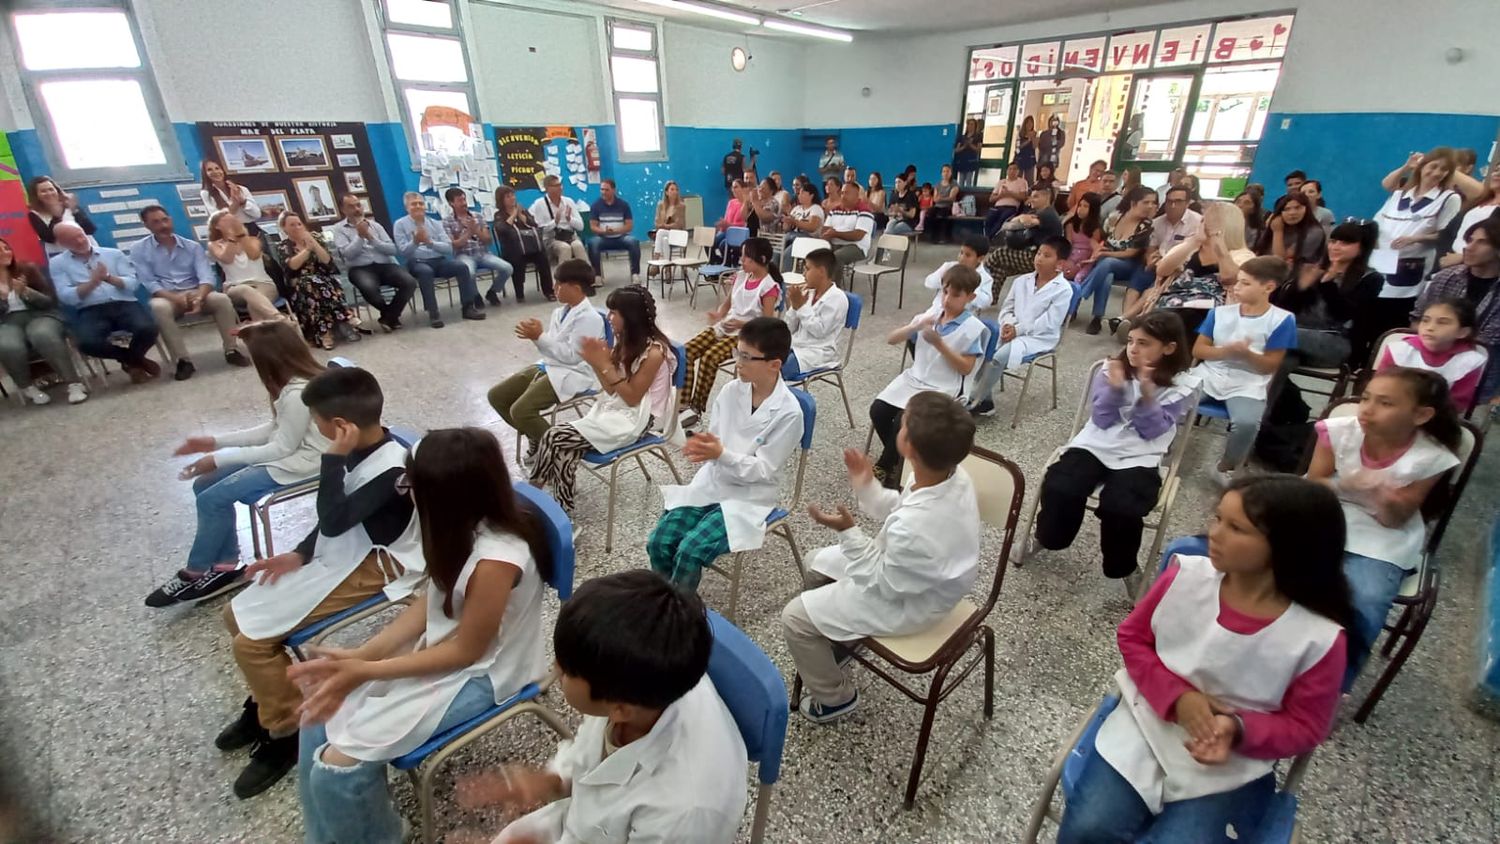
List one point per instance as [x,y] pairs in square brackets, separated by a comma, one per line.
[993,106]
[1157,111]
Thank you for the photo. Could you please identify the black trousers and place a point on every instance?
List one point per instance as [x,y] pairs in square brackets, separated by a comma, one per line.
[1127,496]
[939,224]
[543,274]
[885,418]
[369,278]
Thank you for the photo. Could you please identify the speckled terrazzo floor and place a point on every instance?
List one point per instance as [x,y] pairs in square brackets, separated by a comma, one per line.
[109,708]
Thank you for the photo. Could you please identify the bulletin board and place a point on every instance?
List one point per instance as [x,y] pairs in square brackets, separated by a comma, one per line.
[304,167]
[528,155]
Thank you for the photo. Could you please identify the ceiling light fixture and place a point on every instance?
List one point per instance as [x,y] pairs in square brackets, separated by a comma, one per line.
[804,29]
[705,9]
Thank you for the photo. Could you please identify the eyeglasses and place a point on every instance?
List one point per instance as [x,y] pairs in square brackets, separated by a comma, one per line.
[741,357]
[403,484]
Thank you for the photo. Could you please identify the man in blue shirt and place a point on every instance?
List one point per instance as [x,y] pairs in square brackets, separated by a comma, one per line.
[182,284]
[370,256]
[429,255]
[100,283]
[610,220]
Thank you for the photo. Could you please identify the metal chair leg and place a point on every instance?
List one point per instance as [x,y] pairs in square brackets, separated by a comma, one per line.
[762,813]
[265,524]
[989,671]
[1053,367]
[735,568]
[609,523]
[838,379]
[924,735]
[1020,399]
[255,535]
[1408,644]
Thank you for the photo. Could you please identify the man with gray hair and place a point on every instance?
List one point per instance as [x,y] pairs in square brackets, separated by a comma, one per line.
[560,221]
[100,282]
[429,256]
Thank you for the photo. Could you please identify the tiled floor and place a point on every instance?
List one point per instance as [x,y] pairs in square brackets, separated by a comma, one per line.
[110,708]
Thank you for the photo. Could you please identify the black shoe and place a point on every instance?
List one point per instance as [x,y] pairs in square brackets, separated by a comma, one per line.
[185,370]
[436,318]
[170,592]
[234,357]
[1114,325]
[270,760]
[187,587]
[1094,325]
[493,298]
[478,303]
[244,731]
[473,313]
[984,408]
[389,325]
[344,333]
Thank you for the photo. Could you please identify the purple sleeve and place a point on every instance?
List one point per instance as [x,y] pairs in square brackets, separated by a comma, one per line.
[1151,420]
[1107,402]
[1306,713]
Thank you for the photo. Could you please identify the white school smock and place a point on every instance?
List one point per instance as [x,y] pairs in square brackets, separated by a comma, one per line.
[681,783]
[929,370]
[1399,546]
[816,327]
[383,719]
[1404,215]
[271,610]
[1250,672]
[611,423]
[984,294]
[1408,352]
[566,369]
[1038,315]
[743,480]
[1227,379]
[911,575]
[1121,446]
[744,301]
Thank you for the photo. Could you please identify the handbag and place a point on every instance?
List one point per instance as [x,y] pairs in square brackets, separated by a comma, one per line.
[559,234]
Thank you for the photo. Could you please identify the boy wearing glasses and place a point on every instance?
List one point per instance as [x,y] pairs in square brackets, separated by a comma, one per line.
[366,541]
[754,425]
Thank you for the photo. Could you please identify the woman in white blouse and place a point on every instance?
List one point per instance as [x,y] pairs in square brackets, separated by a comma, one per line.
[238,253]
[221,194]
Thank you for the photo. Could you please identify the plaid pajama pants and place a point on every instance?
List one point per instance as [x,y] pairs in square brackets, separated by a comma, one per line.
[685,541]
[1004,262]
[704,354]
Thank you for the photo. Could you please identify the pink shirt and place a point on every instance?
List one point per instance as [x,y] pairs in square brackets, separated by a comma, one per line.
[1306,713]
[735,213]
[1462,388]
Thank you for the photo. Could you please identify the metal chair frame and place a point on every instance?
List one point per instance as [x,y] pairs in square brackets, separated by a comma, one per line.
[711,275]
[834,373]
[887,244]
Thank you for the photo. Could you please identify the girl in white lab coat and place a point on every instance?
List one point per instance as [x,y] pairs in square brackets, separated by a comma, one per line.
[755,292]
[1383,463]
[474,640]
[1231,661]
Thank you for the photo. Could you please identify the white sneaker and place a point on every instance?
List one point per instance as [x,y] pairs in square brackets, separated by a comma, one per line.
[1134,585]
[34,395]
[77,394]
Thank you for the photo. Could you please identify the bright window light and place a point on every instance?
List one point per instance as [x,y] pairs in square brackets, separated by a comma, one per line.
[635,76]
[422,58]
[434,13]
[76,40]
[440,131]
[638,120]
[628,38]
[102,123]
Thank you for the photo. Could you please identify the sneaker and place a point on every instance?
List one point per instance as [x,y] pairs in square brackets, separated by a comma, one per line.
[244,730]
[185,587]
[436,319]
[984,408]
[1094,325]
[270,760]
[168,593]
[1114,325]
[689,419]
[820,714]
[1135,583]
[1223,477]
[185,370]
[234,357]
[77,394]
[471,313]
[35,395]
[493,298]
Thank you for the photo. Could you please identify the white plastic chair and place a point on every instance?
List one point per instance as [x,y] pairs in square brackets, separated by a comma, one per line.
[804,246]
[677,244]
[885,247]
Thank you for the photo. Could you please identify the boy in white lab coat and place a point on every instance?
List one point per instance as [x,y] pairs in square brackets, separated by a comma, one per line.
[754,426]
[970,254]
[910,576]
[816,314]
[1031,320]
[658,756]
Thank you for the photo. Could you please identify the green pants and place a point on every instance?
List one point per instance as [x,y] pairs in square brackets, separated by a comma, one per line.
[521,399]
[685,541]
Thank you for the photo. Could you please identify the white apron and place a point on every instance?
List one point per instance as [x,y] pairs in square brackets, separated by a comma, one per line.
[611,423]
[1405,215]
[1228,378]
[269,611]
[1250,672]
[930,371]
[1409,353]
[744,303]
[1041,312]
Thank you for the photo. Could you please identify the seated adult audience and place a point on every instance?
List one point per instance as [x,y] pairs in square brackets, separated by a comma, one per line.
[736,212]
[875,197]
[239,255]
[833,189]
[561,222]
[370,258]
[1486,204]
[805,219]
[849,228]
[1175,179]
[1421,204]
[1474,280]
[562,373]
[610,220]
[470,237]
[317,297]
[940,215]
[815,312]
[100,283]
[1255,217]
[1045,178]
[220,193]
[30,324]
[1123,254]
[1294,235]
[522,243]
[1294,180]
[1084,231]
[785,199]
[51,206]
[429,256]
[1005,200]
[671,215]
[181,282]
[1092,183]
[1109,193]
[1313,190]
[1196,275]
[764,209]
[903,208]
[1023,233]
[1130,179]
[851,175]
[1331,301]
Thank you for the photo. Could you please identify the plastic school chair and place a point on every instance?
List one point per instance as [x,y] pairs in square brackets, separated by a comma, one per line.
[834,373]
[1278,826]
[776,521]
[709,275]
[803,246]
[677,244]
[1170,469]
[422,764]
[651,442]
[695,255]
[578,403]
[940,649]
[752,689]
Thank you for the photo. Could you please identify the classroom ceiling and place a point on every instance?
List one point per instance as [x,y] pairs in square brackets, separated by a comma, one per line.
[893,16]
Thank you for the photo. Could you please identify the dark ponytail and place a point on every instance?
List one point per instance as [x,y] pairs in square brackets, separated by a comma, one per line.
[759,250]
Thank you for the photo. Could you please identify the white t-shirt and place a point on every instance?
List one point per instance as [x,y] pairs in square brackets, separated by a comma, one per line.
[810,212]
[848,221]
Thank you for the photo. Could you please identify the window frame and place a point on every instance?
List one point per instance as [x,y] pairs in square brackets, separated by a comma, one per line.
[615,96]
[174,168]
[455,32]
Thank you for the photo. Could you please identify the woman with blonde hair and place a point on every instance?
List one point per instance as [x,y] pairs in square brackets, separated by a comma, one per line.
[238,253]
[1195,276]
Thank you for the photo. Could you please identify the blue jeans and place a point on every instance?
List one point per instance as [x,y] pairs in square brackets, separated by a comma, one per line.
[343,805]
[215,496]
[899,227]
[1105,809]
[1097,284]
[990,375]
[486,261]
[1373,585]
[624,242]
[434,268]
[92,326]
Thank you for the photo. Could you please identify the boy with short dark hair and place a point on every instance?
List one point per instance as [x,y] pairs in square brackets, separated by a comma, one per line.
[366,541]
[754,426]
[816,312]
[970,254]
[1031,319]
[658,756]
[910,576]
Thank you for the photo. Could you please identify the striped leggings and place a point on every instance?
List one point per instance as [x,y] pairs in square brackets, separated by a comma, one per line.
[556,462]
[704,354]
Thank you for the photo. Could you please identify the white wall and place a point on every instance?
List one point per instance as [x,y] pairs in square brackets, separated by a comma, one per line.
[562,83]
[703,90]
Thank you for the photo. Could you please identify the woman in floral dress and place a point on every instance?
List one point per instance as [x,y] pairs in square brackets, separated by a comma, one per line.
[317,297]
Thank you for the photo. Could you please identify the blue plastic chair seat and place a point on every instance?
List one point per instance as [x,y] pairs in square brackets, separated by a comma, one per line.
[1079,755]
[1034,355]
[1212,408]
[605,458]
[303,635]
[715,269]
[776,515]
[411,760]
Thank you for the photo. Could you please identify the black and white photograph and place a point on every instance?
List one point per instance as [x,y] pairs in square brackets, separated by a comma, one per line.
[315,194]
[342,141]
[302,153]
[354,180]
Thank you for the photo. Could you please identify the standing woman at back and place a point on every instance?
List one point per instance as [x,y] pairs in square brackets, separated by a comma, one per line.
[220,194]
[1026,149]
[1421,204]
[51,205]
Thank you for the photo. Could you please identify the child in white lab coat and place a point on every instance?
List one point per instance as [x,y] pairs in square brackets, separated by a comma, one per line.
[1031,319]
[754,427]
[970,254]
[910,576]
[815,313]
[658,756]
[948,347]
[475,640]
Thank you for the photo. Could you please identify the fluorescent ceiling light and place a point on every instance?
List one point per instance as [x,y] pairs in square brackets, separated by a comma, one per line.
[704,9]
[803,29]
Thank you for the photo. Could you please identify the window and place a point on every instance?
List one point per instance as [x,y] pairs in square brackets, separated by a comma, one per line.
[635,77]
[93,98]
[425,46]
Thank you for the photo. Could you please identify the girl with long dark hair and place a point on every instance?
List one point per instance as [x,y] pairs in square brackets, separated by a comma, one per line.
[1255,217]
[1294,235]
[31,323]
[51,205]
[1084,232]
[1122,252]
[751,294]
